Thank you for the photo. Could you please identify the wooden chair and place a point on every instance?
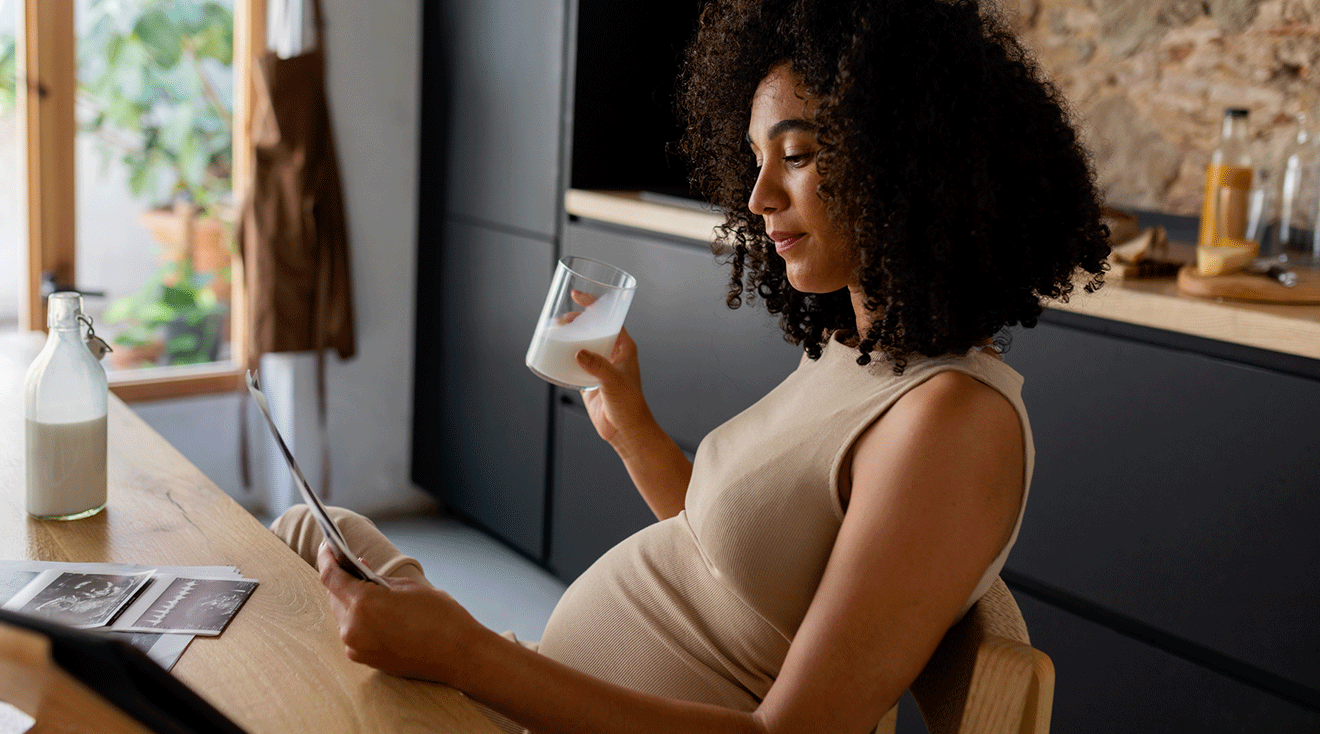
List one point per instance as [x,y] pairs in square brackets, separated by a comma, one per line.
[985,677]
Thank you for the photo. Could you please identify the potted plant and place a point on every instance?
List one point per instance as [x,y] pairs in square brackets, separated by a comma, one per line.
[175,319]
[152,88]
[150,81]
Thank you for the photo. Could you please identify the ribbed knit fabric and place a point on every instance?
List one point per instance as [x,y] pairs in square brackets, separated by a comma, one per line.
[703,606]
[298,529]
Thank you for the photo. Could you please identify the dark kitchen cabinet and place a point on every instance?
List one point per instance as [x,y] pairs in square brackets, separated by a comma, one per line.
[1173,501]
[503,79]
[494,80]
[489,435]
[1107,681]
[594,502]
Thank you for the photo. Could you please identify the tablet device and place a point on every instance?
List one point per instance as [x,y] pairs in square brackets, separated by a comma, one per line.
[335,539]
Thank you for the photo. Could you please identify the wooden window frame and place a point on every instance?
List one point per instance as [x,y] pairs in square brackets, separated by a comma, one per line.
[47,61]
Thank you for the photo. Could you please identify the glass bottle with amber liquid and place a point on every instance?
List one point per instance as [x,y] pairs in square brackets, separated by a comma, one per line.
[1227,184]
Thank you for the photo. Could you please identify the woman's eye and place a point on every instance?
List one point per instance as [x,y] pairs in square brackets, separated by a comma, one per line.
[797,160]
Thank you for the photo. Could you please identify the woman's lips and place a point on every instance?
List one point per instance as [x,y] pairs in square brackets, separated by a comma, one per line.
[784,241]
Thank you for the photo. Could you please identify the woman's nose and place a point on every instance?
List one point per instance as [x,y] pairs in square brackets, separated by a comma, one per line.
[767,195]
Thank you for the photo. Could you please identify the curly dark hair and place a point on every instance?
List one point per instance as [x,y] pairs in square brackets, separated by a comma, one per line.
[953,162]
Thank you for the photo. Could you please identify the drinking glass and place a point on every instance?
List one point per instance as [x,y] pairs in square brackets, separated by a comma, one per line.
[1299,237]
[584,309]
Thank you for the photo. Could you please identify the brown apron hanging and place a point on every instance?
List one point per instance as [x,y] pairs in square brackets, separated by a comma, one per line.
[292,230]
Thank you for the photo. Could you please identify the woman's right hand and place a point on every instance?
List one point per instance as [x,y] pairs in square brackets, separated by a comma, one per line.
[655,463]
[410,629]
[617,408]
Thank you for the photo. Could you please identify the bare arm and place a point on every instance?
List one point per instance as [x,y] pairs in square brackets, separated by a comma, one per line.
[936,489]
[936,486]
[655,463]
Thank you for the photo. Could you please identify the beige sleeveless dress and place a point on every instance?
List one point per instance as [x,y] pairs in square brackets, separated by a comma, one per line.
[703,606]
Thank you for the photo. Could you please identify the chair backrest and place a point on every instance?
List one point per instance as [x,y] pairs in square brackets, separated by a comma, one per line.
[985,677]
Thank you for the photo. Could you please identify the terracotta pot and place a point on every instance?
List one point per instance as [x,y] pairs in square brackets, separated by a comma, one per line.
[209,250]
[126,357]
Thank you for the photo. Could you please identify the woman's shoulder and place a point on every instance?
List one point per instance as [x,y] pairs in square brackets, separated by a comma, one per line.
[955,395]
[951,425]
[951,413]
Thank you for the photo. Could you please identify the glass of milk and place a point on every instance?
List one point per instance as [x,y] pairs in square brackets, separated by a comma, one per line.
[583,310]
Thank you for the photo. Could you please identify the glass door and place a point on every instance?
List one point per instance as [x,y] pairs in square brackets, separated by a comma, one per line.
[154,161]
[123,143]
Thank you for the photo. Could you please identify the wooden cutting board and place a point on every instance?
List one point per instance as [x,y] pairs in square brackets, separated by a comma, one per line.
[1251,287]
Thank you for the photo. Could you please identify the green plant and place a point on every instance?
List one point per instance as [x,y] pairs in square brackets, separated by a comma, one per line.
[8,73]
[152,86]
[177,306]
[150,78]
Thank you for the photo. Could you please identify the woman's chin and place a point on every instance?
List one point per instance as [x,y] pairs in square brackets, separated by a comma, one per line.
[811,283]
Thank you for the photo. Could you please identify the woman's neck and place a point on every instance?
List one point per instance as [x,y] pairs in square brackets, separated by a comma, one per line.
[862,316]
[865,318]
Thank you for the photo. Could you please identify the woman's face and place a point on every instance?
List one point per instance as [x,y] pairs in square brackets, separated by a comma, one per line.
[816,254]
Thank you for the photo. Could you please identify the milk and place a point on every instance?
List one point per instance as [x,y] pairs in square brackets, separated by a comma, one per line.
[584,309]
[552,354]
[66,476]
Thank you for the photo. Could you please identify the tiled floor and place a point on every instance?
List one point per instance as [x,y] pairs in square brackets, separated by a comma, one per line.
[503,590]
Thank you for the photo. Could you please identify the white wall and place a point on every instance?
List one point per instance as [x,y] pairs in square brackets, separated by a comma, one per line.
[374,65]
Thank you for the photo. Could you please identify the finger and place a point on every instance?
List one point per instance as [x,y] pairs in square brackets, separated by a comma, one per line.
[594,364]
[569,317]
[623,346]
[582,298]
[598,367]
[333,578]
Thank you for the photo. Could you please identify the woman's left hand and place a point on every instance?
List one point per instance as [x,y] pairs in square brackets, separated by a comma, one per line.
[410,629]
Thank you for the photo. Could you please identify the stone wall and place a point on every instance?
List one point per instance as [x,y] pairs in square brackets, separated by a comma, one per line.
[1149,81]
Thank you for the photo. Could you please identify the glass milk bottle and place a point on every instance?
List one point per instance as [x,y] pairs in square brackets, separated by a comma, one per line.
[65,404]
[1227,183]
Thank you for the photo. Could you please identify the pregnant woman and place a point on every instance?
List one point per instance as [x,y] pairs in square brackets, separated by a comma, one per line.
[900,186]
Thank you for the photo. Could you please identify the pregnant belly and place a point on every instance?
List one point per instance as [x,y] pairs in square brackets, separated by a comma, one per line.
[649,615]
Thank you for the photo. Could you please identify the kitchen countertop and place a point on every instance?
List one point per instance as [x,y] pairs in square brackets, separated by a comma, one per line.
[1154,303]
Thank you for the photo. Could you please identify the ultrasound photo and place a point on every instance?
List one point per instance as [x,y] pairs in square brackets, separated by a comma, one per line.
[197,606]
[85,599]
